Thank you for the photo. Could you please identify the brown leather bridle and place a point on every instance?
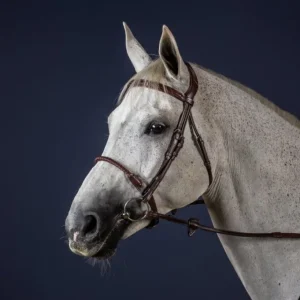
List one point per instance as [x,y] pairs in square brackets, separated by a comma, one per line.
[174,147]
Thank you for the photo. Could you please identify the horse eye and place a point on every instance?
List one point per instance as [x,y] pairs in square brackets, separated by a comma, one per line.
[155,128]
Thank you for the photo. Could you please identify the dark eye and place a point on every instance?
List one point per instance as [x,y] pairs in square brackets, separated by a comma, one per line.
[155,128]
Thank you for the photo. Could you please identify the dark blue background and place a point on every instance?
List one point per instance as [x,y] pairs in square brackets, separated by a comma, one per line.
[62,66]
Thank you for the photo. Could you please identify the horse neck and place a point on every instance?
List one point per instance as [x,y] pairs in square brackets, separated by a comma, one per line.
[255,160]
[254,154]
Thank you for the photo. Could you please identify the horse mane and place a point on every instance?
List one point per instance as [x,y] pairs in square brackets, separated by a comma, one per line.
[155,71]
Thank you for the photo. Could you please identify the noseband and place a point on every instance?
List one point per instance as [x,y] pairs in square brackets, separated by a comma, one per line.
[174,147]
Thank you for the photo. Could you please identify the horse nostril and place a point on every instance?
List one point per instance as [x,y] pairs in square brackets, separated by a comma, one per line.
[90,225]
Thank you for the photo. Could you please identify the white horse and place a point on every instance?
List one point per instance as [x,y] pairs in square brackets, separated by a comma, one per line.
[254,151]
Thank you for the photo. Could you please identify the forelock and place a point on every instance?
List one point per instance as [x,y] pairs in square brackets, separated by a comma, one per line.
[154,72]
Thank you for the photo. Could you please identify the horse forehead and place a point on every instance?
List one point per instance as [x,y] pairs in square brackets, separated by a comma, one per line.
[140,99]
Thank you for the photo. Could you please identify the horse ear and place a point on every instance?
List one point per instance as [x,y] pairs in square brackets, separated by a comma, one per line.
[170,55]
[137,54]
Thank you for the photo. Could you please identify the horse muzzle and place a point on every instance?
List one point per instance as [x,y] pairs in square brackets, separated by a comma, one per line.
[96,234]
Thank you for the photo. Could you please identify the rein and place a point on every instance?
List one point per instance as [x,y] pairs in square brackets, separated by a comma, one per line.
[194,224]
[174,147]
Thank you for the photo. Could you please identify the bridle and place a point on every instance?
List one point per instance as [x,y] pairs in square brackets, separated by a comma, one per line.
[174,147]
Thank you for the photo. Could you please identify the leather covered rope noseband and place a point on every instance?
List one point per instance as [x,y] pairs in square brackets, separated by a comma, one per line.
[174,147]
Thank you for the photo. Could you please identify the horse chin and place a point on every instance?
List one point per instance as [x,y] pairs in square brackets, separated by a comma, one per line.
[105,253]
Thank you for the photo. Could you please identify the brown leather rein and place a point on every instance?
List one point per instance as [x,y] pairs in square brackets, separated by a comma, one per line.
[174,147]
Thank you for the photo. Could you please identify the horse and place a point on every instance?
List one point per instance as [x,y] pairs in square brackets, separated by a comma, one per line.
[247,172]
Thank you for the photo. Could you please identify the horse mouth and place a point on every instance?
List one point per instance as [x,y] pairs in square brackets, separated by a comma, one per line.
[103,247]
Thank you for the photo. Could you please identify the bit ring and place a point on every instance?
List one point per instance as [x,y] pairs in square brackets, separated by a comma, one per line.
[126,214]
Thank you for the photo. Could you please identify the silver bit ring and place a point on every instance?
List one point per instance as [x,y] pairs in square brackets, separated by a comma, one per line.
[126,214]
